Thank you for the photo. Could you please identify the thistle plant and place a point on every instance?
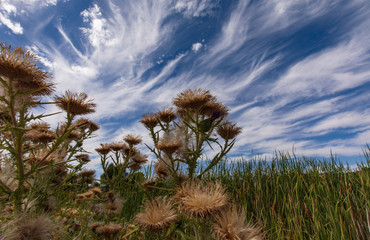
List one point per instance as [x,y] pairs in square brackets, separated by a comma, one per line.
[28,144]
[181,135]
[118,157]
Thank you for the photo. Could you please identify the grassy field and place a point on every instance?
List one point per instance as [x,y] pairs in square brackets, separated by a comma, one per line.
[288,197]
[296,198]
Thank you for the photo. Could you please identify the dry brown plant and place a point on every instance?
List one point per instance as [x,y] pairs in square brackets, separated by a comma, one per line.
[230,225]
[75,103]
[157,215]
[228,130]
[201,200]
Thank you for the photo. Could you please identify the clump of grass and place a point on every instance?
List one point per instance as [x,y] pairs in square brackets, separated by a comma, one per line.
[301,198]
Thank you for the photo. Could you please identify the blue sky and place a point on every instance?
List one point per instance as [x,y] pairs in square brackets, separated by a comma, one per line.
[295,73]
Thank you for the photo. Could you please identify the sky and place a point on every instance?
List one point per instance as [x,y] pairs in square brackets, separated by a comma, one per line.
[294,73]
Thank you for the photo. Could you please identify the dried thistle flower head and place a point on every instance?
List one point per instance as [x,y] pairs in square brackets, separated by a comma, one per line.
[39,158]
[110,230]
[139,158]
[118,146]
[149,120]
[230,225]
[213,106]
[169,146]
[181,178]
[148,184]
[110,196]
[87,173]
[45,137]
[132,139]
[115,206]
[166,115]
[86,195]
[40,132]
[157,215]
[192,98]
[96,190]
[95,225]
[84,123]
[104,149]
[40,126]
[161,169]
[28,227]
[40,136]
[228,130]
[75,103]
[198,200]
[23,70]
[84,158]
[134,166]
[98,208]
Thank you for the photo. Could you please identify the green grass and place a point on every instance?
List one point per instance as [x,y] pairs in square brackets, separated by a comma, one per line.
[294,198]
[303,198]
[289,197]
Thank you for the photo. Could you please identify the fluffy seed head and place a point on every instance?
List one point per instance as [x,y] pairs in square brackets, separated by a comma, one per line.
[198,200]
[229,225]
[228,130]
[26,227]
[157,215]
[75,103]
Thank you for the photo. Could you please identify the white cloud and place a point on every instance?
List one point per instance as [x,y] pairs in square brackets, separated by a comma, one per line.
[97,33]
[195,8]
[10,9]
[348,119]
[14,26]
[122,39]
[328,71]
[196,46]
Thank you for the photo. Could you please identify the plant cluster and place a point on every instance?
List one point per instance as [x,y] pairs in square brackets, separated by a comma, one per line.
[181,135]
[47,193]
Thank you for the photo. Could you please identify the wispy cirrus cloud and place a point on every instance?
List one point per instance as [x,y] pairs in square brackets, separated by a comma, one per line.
[134,57]
[11,9]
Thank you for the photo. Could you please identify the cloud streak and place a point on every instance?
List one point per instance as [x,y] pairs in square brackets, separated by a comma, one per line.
[134,57]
